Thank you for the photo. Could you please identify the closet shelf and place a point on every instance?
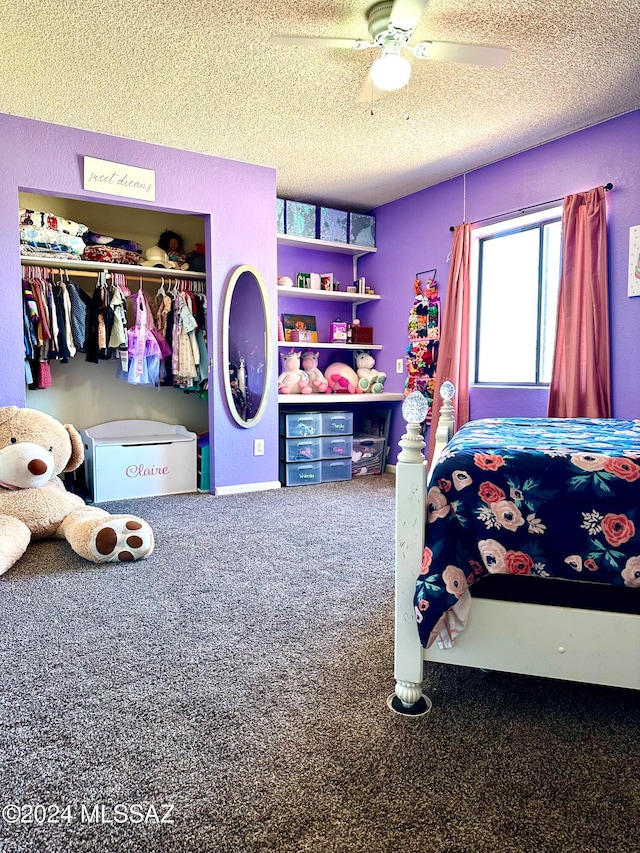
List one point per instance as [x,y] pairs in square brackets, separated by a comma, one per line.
[125,269]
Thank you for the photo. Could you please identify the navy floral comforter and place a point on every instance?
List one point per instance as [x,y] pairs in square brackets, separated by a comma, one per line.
[549,497]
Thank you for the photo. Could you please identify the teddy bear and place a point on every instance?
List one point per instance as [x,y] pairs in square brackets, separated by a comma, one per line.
[342,379]
[315,376]
[369,380]
[34,503]
[293,380]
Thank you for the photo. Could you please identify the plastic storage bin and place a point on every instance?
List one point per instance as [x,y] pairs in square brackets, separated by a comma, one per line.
[300,473]
[301,449]
[296,424]
[336,423]
[336,447]
[367,455]
[335,469]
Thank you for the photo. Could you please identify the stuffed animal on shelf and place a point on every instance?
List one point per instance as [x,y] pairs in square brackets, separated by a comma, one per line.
[369,380]
[293,380]
[315,376]
[34,504]
[342,379]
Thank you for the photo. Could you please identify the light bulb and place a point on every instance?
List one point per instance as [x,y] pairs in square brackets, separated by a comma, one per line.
[390,71]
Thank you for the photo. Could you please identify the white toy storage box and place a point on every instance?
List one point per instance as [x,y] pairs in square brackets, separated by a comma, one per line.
[136,459]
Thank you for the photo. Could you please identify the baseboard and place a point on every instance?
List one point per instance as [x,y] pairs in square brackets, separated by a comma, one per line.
[391,469]
[247,487]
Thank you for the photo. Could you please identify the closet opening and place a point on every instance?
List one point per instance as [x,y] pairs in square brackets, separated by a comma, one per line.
[84,377]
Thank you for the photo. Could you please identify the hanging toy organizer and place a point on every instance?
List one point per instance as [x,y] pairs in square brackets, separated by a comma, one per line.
[424,338]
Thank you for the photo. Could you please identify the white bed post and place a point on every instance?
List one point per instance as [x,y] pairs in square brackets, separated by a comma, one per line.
[411,498]
[408,698]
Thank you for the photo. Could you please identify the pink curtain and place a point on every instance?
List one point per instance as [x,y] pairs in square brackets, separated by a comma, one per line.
[580,383]
[453,355]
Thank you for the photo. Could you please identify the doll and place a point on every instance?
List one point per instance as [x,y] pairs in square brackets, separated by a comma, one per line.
[173,245]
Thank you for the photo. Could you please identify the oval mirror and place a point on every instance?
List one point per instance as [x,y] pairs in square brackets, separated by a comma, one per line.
[246,346]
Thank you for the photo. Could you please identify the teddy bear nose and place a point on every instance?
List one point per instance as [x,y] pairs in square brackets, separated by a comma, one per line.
[37,467]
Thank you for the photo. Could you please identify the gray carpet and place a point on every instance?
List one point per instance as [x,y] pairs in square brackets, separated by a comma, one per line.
[240,675]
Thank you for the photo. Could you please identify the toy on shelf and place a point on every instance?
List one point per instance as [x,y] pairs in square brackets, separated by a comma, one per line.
[370,381]
[293,380]
[342,379]
[34,503]
[173,245]
[315,376]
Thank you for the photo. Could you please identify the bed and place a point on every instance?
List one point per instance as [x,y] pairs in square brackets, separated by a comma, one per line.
[519,551]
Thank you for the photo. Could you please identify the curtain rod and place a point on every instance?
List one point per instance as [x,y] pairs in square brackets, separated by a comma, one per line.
[607,187]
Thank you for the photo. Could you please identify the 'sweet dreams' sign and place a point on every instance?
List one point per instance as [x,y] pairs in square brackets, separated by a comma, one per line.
[102,176]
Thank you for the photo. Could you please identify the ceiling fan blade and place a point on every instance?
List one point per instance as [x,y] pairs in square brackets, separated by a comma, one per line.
[310,41]
[405,14]
[368,92]
[474,54]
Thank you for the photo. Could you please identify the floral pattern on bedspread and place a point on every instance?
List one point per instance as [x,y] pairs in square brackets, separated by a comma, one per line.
[551,497]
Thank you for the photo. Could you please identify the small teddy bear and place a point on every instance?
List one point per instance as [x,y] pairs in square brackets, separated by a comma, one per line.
[315,376]
[34,504]
[293,380]
[369,380]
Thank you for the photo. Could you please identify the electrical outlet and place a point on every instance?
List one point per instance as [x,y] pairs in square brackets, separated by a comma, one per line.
[258,447]
[399,365]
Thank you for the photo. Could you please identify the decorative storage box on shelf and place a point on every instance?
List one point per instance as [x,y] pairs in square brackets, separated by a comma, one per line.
[134,459]
[362,334]
[367,455]
[280,226]
[362,229]
[333,225]
[300,219]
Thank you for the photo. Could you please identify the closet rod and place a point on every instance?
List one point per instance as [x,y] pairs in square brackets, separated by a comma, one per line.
[128,270]
[499,216]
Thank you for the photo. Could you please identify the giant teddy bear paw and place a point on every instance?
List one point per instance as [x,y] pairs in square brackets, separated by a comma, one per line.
[122,538]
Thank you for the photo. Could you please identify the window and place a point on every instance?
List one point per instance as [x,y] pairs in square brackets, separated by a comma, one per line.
[516,293]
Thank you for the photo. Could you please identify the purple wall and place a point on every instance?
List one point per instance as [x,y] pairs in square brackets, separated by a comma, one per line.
[239,203]
[413,234]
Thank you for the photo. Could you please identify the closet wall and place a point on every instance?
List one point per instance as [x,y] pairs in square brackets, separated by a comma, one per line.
[235,202]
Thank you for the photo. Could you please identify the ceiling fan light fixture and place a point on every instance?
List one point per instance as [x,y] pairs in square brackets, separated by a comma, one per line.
[390,72]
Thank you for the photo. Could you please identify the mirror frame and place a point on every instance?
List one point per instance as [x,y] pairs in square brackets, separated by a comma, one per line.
[268,344]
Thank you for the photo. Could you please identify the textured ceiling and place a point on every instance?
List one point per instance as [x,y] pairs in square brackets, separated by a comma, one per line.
[196,75]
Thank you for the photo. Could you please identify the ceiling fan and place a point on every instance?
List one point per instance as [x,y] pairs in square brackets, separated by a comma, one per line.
[391,25]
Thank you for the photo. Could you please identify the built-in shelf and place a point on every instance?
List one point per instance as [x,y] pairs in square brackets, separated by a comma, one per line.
[324,245]
[311,400]
[327,295]
[316,345]
[96,266]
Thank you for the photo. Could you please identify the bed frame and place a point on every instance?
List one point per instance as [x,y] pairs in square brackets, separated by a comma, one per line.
[588,646]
